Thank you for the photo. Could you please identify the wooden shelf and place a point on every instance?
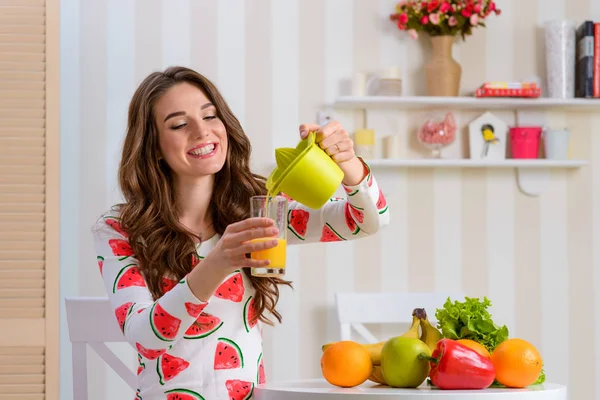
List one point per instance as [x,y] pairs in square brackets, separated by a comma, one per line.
[467,163]
[465,102]
[533,175]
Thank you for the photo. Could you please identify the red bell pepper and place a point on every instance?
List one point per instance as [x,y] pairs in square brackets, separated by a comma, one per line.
[456,366]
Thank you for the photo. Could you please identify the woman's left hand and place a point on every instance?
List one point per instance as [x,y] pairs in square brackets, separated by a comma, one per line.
[336,142]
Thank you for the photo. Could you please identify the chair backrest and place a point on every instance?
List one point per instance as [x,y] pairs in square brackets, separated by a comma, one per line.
[92,322]
[356,309]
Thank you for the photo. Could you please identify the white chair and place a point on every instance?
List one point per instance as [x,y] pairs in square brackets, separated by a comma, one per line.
[92,322]
[356,309]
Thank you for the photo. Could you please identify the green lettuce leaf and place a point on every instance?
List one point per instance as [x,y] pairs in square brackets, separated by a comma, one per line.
[470,319]
[541,378]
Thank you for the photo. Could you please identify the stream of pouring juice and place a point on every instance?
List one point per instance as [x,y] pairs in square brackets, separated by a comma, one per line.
[275,255]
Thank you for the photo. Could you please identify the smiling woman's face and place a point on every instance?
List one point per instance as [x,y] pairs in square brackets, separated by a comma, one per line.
[192,138]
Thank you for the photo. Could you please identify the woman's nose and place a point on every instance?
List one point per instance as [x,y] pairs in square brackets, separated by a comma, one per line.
[199,131]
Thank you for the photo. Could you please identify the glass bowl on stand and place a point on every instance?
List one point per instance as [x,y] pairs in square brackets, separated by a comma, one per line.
[437,133]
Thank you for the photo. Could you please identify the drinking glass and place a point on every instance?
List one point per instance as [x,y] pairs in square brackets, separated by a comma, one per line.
[275,208]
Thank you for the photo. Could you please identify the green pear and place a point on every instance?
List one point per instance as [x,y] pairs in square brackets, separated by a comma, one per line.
[400,362]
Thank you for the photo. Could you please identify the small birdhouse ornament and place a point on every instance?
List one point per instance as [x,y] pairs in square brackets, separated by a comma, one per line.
[487,138]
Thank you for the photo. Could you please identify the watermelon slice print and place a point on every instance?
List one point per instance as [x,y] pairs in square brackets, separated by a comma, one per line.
[194,310]
[120,248]
[167,284]
[128,276]
[350,192]
[350,221]
[122,312]
[249,314]
[149,353]
[239,390]
[232,289]
[137,395]
[381,203]
[330,235]
[164,325]
[115,224]
[260,375]
[183,394]
[169,366]
[297,222]
[228,355]
[196,259]
[370,179]
[205,325]
[100,263]
[141,365]
[358,214]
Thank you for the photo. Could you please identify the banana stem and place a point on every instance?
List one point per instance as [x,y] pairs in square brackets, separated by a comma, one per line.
[420,313]
[423,356]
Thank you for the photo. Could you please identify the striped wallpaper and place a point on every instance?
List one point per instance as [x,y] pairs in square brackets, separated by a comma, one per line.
[277,63]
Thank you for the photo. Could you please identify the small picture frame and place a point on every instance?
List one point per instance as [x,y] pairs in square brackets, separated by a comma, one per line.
[487,138]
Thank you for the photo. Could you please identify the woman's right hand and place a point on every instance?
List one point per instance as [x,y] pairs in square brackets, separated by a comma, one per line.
[231,250]
[230,254]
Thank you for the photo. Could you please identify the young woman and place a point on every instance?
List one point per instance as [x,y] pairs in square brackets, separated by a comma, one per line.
[173,255]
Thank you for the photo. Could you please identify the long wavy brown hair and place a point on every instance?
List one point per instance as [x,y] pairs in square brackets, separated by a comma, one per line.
[163,246]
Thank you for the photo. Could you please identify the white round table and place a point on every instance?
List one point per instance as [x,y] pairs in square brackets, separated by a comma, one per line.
[319,389]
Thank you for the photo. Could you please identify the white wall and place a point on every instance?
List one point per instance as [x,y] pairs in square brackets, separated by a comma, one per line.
[277,63]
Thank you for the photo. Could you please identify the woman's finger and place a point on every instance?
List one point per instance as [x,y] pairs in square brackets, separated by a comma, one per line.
[249,223]
[343,156]
[250,263]
[254,233]
[305,128]
[331,140]
[251,247]
[327,130]
[339,147]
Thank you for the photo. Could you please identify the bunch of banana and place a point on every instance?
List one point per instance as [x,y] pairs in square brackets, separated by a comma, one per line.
[375,350]
[430,335]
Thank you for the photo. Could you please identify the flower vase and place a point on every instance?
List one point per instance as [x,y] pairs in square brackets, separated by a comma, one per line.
[442,72]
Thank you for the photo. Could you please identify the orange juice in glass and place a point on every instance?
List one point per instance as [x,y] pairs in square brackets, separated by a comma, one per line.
[276,208]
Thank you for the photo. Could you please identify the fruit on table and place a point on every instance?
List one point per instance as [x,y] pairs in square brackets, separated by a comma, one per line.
[346,364]
[478,347]
[517,362]
[401,364]
[456,366]
[377,375]
[429,334]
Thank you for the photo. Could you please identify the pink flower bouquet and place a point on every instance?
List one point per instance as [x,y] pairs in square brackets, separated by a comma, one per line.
[442,17]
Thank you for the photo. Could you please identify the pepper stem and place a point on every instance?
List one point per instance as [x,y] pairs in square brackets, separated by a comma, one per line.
[424,356]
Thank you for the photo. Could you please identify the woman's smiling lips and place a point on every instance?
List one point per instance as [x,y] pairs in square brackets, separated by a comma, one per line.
[205,150]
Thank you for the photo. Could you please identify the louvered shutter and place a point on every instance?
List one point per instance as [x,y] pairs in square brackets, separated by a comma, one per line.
[25,322]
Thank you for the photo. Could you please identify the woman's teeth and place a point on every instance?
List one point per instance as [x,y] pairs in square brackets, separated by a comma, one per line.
[202,151]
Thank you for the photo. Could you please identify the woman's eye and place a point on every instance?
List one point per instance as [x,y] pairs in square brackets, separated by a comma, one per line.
[178,126]
[209,117]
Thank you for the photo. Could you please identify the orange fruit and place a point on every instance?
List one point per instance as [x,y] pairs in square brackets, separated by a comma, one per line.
[478,347]
[346,364]
[517,362]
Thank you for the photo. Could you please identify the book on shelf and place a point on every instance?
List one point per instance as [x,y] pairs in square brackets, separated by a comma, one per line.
[597,59]
[584,67]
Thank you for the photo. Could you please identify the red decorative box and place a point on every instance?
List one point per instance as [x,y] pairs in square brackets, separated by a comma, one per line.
[506,92]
